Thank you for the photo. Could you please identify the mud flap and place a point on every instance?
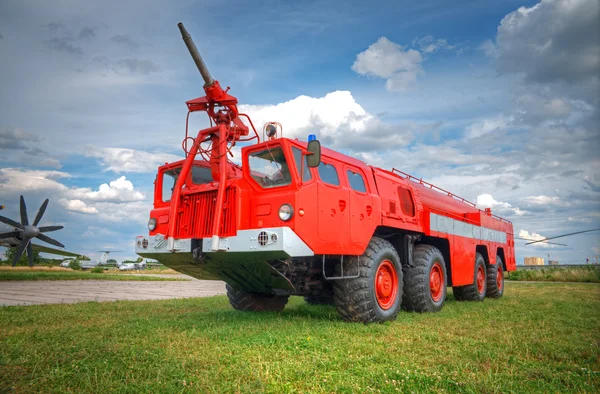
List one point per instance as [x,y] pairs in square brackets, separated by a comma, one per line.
[245,272]
[255,277]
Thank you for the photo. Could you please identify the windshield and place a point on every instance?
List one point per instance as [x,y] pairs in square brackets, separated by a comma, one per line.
[269,168]
[200,175]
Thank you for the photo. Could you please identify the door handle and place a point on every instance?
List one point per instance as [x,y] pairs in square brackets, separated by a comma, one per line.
[342,205]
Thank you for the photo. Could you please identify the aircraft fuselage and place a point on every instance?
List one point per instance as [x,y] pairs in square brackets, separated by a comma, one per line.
[8,242]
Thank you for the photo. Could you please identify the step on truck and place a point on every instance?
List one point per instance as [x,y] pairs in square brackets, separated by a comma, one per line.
[299,219]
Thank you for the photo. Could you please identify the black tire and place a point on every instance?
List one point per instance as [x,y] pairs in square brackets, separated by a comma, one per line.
[495,279]
[419,296]
[318,300]
[244,301]
[356,299]
[472,292]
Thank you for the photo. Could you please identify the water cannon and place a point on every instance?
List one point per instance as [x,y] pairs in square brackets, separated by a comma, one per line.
[215,95]
[189,43]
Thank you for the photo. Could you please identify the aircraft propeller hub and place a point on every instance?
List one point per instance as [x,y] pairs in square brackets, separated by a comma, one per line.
[31,231]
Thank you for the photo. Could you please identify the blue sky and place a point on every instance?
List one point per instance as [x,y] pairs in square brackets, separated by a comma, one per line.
[496,101]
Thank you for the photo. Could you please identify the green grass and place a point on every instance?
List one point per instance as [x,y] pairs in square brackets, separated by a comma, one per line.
[561,274]
[538,338]
[73,275]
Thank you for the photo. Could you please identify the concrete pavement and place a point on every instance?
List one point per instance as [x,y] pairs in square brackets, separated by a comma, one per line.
[71,291]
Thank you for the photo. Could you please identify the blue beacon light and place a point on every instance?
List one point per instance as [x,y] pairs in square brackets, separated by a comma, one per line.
[311,137]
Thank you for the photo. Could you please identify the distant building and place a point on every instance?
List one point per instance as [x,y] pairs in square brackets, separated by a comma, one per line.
[534,261]
[553,262]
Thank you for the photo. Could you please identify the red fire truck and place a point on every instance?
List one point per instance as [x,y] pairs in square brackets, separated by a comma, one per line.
[296,218]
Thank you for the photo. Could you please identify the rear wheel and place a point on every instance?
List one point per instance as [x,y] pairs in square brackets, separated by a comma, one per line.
[495,279]
[475,291]
[425,281]
[376,295]
[244,301]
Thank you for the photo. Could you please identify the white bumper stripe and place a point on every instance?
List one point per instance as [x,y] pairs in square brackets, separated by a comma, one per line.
[261,240]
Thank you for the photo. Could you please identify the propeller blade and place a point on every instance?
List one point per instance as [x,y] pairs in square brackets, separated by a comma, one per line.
[19,252]
[40,213]
[47,229]
[30,254]
[564,235]
[24,220]
[10,222]
[52,241]
[11,234]
[550,243]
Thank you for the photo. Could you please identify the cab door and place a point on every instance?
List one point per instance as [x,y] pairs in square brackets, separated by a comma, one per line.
[361,205]
[332,200]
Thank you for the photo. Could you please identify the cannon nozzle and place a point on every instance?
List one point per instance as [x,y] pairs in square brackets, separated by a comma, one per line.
[189,43]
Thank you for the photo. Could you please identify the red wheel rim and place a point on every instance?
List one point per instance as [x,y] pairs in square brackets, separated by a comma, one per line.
[499,277]
[436,282]
[480,279]
[386,284]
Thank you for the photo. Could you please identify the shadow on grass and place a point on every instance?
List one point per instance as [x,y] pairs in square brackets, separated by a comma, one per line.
[316,312]
[291,312]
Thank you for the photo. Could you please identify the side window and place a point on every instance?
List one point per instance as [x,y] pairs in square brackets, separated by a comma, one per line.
[406,201]
[168,183]
[356,180]
[298,160]
[328,174]
[201,175]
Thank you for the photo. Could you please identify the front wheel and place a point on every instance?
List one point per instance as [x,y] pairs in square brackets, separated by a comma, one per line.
[244,301]
[376,295]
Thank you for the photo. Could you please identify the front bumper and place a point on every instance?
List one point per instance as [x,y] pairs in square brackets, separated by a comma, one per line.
[241,260]
[279,241]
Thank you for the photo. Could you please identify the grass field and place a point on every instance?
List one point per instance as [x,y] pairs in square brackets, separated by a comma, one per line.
[575,274]
[76,275]
[538,338]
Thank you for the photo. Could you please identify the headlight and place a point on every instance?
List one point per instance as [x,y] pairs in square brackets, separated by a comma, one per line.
[286,212]
[151,224]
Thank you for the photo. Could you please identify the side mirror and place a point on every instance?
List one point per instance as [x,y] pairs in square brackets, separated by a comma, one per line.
[314,158]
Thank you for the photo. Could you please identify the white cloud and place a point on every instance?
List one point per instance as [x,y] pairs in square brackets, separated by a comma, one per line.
[130,160]
[77,206]
[337,119]
[119,190]
[486,126]
[13,138]
[18,180]
[130,212]
[430,44]
[533,237]
[535,109]
[487,201]
[543,200]
[555,40]
[386,59]
[593,180]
